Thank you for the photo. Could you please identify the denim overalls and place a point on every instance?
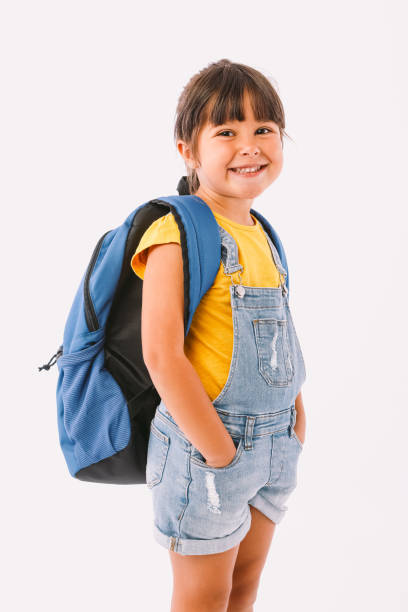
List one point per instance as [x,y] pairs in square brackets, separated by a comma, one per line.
[200,509]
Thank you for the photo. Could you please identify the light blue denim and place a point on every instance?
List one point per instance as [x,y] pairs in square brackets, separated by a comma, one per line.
[200,509]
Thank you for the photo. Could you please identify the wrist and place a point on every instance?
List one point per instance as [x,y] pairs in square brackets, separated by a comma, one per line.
[223,458]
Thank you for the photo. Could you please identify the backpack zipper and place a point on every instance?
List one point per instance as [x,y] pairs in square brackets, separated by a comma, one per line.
[90,314]
[48,365]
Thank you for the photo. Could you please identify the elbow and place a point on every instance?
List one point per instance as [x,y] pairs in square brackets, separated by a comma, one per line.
[155,361]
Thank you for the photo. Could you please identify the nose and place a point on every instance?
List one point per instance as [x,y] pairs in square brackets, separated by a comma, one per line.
[249,149]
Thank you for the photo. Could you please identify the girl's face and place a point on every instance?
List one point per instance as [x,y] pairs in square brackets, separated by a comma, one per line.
[236,144]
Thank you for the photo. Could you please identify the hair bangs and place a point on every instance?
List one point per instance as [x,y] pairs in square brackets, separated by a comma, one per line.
[228,104]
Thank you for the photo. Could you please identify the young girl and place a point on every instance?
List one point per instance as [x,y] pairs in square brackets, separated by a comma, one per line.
[223,450]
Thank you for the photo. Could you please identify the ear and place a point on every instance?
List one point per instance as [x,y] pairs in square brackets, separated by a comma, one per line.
[186,154]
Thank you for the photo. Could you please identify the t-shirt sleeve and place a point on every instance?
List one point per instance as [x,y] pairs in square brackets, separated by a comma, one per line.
[161,231]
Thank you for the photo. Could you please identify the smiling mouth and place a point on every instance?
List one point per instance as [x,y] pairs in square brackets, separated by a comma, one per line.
[249,171]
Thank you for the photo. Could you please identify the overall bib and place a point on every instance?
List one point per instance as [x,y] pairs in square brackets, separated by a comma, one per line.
[200,509]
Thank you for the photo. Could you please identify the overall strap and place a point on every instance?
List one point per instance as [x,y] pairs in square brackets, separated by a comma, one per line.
[229,254]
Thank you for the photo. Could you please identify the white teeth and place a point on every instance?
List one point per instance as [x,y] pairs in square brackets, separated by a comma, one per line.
[246,170]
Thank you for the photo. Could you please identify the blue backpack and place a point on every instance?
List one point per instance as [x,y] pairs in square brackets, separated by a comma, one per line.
[105,397]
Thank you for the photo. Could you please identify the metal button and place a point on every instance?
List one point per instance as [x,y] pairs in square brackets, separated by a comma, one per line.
[240,291]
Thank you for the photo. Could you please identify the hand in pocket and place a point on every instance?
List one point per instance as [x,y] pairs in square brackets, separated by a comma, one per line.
[224,460]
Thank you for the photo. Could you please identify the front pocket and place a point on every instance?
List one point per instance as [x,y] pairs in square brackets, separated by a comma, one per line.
[198,459]
[275,362]
[157,450]
[93,416]
[296,438]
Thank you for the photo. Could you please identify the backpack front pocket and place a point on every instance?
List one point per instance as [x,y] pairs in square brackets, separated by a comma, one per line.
[274,356]
[156,456]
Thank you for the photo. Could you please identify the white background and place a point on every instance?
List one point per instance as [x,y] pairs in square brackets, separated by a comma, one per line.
[89,92]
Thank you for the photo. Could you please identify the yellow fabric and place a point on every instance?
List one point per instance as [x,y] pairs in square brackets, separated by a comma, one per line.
[209,342]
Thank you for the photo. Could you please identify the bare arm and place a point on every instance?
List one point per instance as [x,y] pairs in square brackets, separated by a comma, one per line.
[172,373]
[300,425]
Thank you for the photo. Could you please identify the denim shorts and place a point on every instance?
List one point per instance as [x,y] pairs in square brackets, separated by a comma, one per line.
[201,510]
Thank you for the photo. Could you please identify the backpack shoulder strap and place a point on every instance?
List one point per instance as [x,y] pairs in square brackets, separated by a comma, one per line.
[276,240]
[200,244]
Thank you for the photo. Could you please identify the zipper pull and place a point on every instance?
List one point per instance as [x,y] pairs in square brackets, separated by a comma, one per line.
[48,365]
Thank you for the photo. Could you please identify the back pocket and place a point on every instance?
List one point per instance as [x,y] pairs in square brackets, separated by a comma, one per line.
[156,456]
[273,348]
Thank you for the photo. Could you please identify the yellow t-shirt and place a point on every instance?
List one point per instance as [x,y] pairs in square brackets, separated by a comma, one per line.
[209,342]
